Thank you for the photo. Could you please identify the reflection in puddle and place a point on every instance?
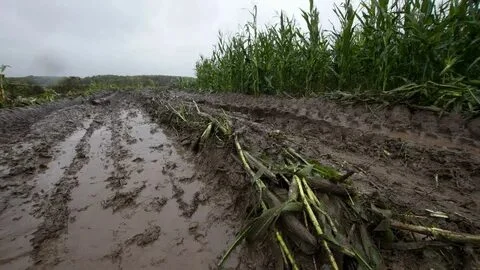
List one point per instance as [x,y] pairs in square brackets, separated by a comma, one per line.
[57,167]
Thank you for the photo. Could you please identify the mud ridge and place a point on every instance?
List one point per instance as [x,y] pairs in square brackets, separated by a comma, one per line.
[384,119]
[150,235]
[118,153]
[122,200]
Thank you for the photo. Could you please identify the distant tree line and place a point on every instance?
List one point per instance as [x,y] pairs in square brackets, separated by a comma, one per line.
[35,89]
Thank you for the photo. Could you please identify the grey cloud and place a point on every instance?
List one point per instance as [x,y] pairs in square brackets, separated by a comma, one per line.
[48,64]
[123,37]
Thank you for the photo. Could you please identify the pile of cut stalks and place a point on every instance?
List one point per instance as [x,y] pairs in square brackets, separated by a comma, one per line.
[311,210]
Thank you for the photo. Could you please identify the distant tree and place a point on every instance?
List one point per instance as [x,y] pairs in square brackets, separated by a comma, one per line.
[70,84]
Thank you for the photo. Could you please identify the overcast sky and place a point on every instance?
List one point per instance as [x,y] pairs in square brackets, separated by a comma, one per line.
[88,37]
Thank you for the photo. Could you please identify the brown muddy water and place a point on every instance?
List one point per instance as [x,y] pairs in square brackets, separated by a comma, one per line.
[131,201]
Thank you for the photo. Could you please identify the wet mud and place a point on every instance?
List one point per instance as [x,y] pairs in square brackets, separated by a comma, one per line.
[409,160]
[113,193]
[117,186]
[415,158]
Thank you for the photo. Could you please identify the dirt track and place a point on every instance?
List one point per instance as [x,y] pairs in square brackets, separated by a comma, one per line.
[109,191]
[106,187]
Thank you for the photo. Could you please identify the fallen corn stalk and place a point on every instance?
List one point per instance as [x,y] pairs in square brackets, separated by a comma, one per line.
[336,232]
[439,234]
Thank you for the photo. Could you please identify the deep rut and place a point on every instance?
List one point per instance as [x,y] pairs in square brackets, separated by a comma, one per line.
[54,209]
[117,195]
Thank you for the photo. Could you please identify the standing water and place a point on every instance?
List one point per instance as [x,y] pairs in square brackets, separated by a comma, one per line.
[138,204]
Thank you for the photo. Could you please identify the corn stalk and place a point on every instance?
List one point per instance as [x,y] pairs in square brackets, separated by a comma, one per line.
[423,53]
[3,97]
[308,180]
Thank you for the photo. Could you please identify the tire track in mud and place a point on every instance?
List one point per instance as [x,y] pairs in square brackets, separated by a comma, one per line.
[32,161]
[345,125]
[55,211]
[129,200]
[455,159]
[459,152]
[115,194]
[396,121]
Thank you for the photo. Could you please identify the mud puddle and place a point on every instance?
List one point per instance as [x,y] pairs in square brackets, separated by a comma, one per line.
[157,217]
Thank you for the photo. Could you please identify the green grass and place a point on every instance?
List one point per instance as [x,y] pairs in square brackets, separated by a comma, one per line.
[424,53]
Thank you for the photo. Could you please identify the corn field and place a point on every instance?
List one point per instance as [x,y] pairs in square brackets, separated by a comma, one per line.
[425,53]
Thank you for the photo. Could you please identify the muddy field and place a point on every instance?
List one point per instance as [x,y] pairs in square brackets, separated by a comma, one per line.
[116,184]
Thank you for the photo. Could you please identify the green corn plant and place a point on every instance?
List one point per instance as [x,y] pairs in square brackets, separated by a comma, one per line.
[3,97]
[420,52]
